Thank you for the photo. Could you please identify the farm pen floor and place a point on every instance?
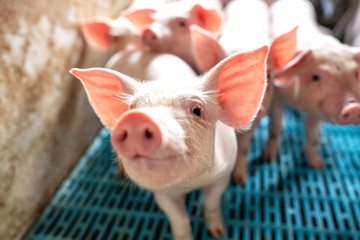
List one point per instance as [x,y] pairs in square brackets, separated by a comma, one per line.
[284,199]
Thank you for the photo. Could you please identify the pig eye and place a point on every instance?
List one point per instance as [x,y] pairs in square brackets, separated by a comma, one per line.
[315,77]
[196,110]
[182,23]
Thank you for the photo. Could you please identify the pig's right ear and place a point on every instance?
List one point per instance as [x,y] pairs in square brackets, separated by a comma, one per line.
[106,90]
[240,82]
[141,18]
[207,50]
[209,19]
[97,32]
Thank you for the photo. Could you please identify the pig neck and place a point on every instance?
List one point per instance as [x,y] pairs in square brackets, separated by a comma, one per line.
[189,59]
[222,163]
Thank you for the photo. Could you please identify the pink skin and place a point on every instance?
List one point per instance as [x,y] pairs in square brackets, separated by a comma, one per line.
[136,135]
[145,65]
[174,138]
[313,73]
[122,33]
[170,32]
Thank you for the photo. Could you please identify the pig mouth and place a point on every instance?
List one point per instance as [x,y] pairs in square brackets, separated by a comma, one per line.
[158,159]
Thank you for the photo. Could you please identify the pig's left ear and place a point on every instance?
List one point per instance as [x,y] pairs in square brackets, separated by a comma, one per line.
[240,82]
[106,90]
[209,19]
[141,18]
[284,56]
[207,50]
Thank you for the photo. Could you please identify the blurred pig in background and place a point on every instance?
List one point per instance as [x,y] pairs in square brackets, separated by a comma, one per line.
[312,72]
[122,33]
[246,27]
[174,137]
[171,30]
[352,31]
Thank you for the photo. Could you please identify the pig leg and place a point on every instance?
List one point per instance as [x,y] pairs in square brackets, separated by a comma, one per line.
[212,206]
[175,209]
[275,130]
[311,150]
[241,166]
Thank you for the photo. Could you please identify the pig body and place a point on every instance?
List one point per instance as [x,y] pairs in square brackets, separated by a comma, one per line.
[246,27]
[174,138]
[352,35]
[147,65]
[313,73]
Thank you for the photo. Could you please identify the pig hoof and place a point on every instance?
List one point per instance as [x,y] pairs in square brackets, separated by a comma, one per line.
[314,160]
[119,170]
[217,229]
[269,155]
[177,237]
[240,178]
[215,223]
[218,232]
[316,164]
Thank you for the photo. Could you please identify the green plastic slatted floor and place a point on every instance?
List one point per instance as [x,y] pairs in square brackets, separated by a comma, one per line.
[282,200]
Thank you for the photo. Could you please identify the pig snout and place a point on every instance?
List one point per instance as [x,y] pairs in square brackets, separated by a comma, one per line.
[350,114]
[149,37]
[136,135]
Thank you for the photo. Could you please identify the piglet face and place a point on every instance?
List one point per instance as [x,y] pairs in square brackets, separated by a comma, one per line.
[167,136]
[164,131]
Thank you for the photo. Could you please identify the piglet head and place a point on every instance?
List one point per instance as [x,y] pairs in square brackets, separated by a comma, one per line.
[171,30]
[164,131]
[320,79]
[105,33]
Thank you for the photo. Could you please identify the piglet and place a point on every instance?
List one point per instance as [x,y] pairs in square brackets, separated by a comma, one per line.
[246,27]
[313,73]
[170,32]
[122,33]
[174,138]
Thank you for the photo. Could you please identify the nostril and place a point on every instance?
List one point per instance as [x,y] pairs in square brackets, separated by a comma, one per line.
[149,36]
[346,115]
[148,134]
[123,136]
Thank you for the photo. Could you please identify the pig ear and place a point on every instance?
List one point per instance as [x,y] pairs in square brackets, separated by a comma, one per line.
[106,90]
[141,18]
[207,50]
[300,57]
[284,55]
[283,49]
[209,19]
[97,32]
[240,83]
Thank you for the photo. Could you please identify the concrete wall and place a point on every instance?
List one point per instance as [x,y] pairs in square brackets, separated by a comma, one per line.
[45,119]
